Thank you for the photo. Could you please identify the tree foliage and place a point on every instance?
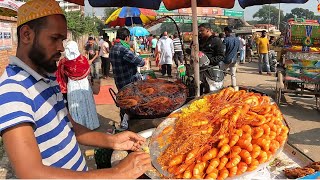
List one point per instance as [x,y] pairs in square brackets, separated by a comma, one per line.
[268,14]
[301,13]
[79,24]
[108,11]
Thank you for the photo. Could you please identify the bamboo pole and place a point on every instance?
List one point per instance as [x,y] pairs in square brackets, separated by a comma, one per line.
[195,46]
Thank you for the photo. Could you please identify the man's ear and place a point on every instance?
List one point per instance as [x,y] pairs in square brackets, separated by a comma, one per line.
[26,34]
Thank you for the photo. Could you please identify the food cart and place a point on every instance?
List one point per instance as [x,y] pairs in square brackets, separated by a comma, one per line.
[300,67]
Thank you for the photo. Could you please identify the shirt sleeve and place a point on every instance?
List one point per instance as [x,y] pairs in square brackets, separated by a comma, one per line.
[13,95]
[258,41]
[106,46]
[172,47]
[133,58]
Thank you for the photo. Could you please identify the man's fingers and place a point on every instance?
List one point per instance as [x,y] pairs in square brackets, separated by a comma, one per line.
[135,136]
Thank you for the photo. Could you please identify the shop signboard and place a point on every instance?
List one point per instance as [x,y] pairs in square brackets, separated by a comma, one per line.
[217,11]
[233,13]
[200,21]
[202,11]
[187,21]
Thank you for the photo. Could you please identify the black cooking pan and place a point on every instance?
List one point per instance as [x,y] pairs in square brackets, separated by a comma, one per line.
[154,98]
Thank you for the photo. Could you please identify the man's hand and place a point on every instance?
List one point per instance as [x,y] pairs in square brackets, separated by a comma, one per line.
[134,165]
[90,62]
[128,141]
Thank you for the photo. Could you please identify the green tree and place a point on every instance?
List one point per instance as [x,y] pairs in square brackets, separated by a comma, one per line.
[303,13]
[300,13]
[79,24]
[268,14]
[108,11]
[76,23]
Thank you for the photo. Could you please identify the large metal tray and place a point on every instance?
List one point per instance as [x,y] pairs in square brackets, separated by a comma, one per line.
[156,149]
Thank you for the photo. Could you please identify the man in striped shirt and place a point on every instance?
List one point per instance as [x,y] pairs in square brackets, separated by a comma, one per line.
[178,53]
[39,135]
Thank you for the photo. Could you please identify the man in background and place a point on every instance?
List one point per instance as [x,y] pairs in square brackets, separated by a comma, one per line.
[149,39]
[212,47]
[230,61]
[166,51]
[124,65]
[104,54]
[178,53]
[263,48]
[92,52]
[154,42]
[242,49]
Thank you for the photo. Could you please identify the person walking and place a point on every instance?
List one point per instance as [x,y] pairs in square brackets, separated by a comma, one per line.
[149,44]
[39,135]
[154,42]
[104,54]
[124,65]
[92,52]
[249,51]
[232,45]
[166,51]
[178,53]
[72,76]
[242,49]
[263,48]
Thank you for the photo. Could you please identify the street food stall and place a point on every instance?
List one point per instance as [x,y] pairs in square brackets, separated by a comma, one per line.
[300,72]
[229,134]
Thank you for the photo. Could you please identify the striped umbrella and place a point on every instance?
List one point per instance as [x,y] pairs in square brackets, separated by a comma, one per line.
[127,16]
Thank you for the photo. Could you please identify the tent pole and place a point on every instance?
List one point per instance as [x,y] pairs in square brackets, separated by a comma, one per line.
[195,46]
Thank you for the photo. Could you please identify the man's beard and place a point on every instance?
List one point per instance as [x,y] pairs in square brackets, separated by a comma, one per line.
[38,57]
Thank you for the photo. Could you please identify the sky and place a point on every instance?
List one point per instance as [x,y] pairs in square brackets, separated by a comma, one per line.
[249,11]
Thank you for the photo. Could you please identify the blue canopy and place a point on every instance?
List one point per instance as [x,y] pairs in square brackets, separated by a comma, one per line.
[139,31]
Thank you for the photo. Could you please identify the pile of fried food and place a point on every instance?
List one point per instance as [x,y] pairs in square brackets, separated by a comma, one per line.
[222,135]
[301,172]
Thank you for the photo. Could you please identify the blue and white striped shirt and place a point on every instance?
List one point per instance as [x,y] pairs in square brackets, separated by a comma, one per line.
[28,97]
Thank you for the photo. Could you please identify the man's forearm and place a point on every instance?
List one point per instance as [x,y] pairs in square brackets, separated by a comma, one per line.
[88,137]
[95,57]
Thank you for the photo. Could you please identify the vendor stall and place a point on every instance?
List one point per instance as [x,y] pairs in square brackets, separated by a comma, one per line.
[300,72]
